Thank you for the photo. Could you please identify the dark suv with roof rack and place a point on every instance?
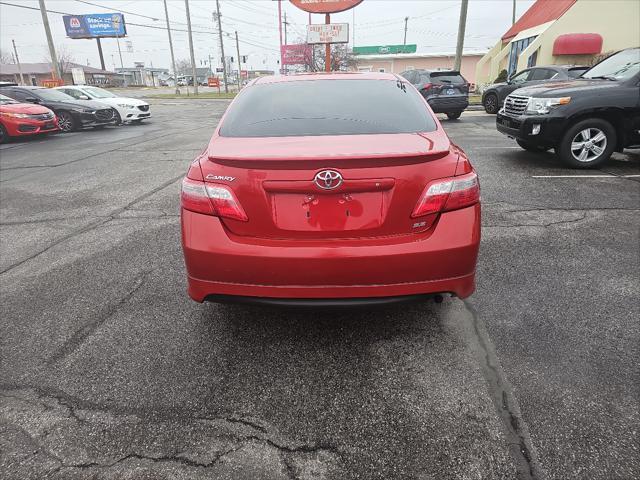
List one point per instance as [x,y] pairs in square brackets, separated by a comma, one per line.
[446,91]
[585,120]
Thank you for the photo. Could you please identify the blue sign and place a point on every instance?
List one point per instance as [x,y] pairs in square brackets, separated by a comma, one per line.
[95,25]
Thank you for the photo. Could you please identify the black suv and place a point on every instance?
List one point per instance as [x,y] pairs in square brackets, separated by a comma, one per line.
[494,95]
[584,120]
[72,114]
[445,91]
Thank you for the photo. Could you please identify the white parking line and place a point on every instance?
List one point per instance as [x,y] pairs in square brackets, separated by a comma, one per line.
[584,176]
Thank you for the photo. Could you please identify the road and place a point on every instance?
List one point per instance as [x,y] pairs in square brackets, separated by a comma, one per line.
[108,370]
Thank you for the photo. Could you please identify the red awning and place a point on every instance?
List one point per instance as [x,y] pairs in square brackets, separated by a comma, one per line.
[578,44]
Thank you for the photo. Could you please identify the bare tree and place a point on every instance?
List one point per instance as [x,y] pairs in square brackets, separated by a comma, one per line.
[342,59]
[183,67]
[6,57]
[65,58]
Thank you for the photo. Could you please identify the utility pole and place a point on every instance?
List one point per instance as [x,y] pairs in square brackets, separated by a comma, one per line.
[193,57]
[280,30]
[513,16]
[119,52]
[461,27]
[224,60]
[100,53]
[406,19]
[353,30]
[52,50]
[327,48]
[15,51]
[173,58]
[285,23]
[239,63]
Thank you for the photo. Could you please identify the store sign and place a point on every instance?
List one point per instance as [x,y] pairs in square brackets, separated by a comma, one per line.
[325,6]
[384,49]
[78,76]
[328,33]
[298,54]
[96,25]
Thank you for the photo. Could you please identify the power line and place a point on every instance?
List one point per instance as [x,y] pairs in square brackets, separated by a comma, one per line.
[117,10]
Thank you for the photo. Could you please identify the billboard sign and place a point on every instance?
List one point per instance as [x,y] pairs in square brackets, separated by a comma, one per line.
[297,54]
[328,33]
[325,6]
[97,25]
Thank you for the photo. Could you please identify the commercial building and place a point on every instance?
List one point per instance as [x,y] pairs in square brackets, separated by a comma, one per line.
[35,74]
[561,32]
[399,62]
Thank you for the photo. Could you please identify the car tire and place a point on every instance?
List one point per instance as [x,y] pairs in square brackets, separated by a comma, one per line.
[530,147]
[587,144]
[490,103]
[117,117]
[4,136]
[454,115]
[66,122]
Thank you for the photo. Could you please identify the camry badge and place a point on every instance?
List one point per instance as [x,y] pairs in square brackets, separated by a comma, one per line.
[328,179]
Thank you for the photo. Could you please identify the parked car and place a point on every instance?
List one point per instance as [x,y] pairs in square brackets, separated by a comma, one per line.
[72,114]
[20,119]
[446,91]
[584,120]
[330,189]
[493,96]
[127,109]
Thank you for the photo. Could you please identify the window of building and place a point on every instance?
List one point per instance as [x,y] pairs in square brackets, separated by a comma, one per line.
[516,49]
[381,70]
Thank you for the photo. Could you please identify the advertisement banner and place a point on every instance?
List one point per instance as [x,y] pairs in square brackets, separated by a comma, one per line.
[328,33]
[96,25]
[297,54]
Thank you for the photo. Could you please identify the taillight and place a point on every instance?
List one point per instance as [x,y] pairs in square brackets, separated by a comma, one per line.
[448,194]
[211,199]
[426,86]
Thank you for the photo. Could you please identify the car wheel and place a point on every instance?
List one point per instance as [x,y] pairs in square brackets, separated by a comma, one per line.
[587,144]
[491,103]
[66,122]
[453,115]
[530,147]
[4,136]
[117,117]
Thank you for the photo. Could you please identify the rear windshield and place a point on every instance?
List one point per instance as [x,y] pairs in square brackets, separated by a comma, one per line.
[446,77]
[327,107]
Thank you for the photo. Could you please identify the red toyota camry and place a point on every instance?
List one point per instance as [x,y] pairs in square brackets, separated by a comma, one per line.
[19,119]
[330,189]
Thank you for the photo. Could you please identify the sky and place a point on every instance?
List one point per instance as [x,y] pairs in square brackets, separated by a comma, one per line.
[432,25]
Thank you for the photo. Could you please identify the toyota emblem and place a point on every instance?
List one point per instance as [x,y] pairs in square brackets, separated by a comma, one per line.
[328,179]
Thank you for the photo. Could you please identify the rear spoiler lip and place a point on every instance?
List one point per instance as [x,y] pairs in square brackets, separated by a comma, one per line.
[350,161]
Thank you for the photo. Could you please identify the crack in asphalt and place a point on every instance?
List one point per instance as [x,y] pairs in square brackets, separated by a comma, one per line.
[258,435]
[506,405]
[81,335]
[103,219]
[544,225]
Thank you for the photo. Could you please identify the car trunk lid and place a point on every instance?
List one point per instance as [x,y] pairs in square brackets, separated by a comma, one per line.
[280,184]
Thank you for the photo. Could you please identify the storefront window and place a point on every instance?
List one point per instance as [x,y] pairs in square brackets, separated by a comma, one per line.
[516,49]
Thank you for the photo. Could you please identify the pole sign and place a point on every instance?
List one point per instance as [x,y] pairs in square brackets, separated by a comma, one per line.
[325,6]
[328,33]
[297,54]
[97,25]
[78,76]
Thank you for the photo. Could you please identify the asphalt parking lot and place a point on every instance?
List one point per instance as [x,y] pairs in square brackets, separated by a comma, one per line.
[109,371]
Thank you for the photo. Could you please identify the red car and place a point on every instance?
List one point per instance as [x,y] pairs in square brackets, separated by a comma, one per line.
[18,119]
[330,189]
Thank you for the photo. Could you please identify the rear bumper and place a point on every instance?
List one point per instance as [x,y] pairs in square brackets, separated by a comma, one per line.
[448,104]
[442,260]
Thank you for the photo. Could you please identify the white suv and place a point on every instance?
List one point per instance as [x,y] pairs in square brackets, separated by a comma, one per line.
[128,109]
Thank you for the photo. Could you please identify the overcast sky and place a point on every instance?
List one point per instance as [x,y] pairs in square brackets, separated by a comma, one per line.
[432,26]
